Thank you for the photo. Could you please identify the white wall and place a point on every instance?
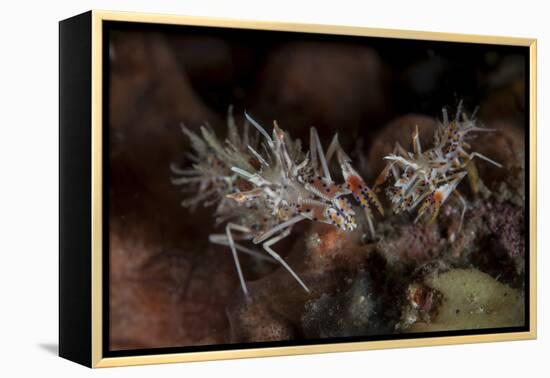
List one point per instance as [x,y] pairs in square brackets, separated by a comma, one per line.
[28,185]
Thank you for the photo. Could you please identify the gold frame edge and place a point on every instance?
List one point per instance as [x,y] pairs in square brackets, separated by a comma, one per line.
[533,189]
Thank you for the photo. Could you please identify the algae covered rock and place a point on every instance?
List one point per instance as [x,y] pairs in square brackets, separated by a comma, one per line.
[466,299]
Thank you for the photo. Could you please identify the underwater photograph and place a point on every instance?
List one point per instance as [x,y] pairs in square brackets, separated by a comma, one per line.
[270,188]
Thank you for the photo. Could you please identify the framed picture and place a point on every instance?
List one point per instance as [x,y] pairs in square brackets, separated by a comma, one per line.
[235,189]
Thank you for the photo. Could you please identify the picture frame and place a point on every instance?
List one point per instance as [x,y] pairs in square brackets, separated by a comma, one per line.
[86,178]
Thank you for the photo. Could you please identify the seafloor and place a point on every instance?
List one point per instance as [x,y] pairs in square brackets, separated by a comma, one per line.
[170,287]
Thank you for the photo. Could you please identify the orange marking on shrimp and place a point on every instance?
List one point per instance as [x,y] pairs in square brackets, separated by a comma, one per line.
[438,196]
[354,183]
[362,193]
[325,188]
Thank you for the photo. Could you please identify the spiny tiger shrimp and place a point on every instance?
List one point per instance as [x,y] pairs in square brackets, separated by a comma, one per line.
[428,178]
[262,185]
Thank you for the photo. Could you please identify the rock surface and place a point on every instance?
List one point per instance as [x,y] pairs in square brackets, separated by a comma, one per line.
[466,299]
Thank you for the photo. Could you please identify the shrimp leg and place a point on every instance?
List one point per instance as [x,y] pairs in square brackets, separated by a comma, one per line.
[228,228]
[267,246]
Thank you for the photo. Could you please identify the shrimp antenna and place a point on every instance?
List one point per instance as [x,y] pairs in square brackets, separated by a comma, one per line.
[259,127]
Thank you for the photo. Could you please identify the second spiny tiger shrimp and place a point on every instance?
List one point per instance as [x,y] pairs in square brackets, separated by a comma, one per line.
[426,179]
[262,188]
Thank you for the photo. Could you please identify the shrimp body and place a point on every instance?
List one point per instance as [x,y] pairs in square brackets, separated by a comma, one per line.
[427,179]
[262,184]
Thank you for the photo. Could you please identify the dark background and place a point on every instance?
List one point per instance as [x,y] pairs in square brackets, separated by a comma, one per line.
[167,286]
